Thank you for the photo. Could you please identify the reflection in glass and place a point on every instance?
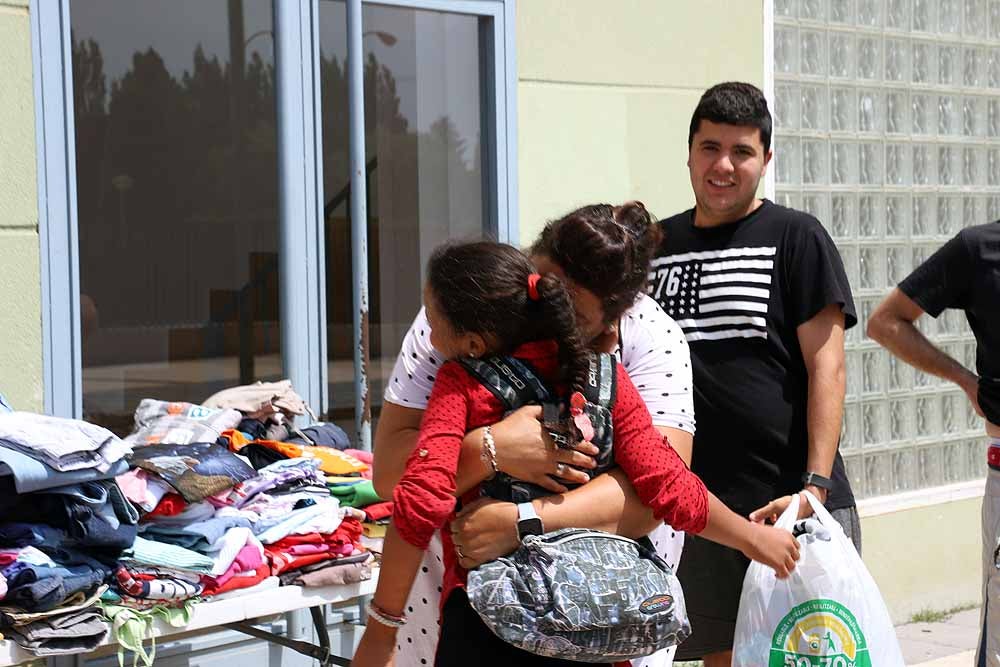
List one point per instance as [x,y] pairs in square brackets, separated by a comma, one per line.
[177,200]
[424,172]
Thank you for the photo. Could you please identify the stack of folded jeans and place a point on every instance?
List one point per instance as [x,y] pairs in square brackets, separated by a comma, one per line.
[56,479]
[48,607]
[75,626]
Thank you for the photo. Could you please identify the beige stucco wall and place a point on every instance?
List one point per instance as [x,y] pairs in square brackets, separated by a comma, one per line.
[20,278]
[927,558]
[605,95]
[606,92]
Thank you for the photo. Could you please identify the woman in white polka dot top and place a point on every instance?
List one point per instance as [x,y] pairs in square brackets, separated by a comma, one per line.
[599,250]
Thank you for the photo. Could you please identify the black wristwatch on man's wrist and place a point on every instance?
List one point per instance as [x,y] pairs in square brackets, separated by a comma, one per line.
[817,480]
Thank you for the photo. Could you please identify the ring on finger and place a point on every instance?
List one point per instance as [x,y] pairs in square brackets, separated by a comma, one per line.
[560,469]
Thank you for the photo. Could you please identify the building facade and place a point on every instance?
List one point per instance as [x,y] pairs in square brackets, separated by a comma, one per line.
[183,186]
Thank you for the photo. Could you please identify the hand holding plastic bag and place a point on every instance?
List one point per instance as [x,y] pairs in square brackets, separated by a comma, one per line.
[827,613]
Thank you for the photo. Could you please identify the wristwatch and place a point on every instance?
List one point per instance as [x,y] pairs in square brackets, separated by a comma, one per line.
[528,521]
[817,480]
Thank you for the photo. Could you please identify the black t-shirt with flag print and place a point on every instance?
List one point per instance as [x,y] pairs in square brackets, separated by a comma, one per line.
[739,292]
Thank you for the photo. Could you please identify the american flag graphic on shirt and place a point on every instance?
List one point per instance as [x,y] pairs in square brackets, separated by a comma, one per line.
[716,294]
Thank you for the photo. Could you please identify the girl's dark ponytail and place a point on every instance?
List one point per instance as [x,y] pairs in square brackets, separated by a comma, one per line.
[559,318]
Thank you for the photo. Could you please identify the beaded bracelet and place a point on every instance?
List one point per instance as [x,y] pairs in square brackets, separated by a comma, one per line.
[384,617]
[489,454]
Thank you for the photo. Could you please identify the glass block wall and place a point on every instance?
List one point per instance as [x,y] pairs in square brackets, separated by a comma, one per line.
[887,116]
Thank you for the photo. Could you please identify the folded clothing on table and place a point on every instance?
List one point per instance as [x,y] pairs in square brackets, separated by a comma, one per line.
[263,453]
[196,470]
[260,400]
[323,434]
[347,570]
[145,490]
[164,422]
[150,552]
[74,632]
[278,476]
[153,584]
[296,551]
[35,588]
[89,514]
[358,493]
[62,444]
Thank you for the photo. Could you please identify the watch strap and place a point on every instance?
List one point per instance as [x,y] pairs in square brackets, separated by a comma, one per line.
[528,521]
[817,480]
[526,511]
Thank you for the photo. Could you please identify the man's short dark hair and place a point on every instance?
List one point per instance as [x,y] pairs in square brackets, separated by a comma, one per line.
[733,103]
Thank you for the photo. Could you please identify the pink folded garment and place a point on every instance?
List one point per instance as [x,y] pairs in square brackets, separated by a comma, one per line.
[248,559]
[306,549]
[145,491]
[364,457]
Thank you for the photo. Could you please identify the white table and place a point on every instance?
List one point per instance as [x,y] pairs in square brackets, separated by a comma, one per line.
[235,612]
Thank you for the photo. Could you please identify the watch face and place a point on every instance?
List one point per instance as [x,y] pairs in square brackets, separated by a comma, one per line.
[531,526]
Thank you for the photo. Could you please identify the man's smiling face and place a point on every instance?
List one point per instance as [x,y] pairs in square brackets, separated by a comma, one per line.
[726,163]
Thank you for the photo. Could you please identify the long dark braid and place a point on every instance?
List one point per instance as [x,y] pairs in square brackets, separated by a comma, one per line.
[557,307]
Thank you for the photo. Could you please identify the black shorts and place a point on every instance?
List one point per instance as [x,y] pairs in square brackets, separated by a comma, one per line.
[466,640]
[712,576]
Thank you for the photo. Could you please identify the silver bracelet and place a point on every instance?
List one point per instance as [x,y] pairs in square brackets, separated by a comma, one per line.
[383,617]
[489,454]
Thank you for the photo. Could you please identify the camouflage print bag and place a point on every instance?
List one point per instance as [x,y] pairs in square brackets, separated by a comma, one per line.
[582,595]
[575,594]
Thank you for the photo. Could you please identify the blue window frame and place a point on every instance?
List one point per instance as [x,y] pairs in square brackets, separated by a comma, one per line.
[302,279]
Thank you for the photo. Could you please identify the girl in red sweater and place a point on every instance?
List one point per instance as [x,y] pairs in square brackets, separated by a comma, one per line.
[483,299]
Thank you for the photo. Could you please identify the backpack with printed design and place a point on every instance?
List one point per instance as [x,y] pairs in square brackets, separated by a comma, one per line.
[576,594]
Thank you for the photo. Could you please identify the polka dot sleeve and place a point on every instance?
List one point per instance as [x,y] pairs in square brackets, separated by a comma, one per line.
[425,496]
[416,366]
[658,359]
[675,494]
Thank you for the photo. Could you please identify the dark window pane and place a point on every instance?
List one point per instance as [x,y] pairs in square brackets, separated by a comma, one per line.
[422,126]
[177,199]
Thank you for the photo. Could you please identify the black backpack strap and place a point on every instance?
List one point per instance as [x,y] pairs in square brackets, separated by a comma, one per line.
[512,381]
[602,380]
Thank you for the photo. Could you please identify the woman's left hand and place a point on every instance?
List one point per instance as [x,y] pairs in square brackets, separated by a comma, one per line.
[484,530]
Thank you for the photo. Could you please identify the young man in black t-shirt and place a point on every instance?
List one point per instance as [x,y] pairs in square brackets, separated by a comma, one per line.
[762,297]
[963,274]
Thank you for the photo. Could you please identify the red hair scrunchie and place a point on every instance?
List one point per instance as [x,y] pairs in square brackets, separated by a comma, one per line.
[533,279]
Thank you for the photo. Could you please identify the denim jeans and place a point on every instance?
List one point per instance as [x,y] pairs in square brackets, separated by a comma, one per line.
[988,654]
[37,588]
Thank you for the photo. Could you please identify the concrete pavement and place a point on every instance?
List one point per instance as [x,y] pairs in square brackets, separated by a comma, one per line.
[947,643]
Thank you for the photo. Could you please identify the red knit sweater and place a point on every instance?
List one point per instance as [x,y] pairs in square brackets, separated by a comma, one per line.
[424,499]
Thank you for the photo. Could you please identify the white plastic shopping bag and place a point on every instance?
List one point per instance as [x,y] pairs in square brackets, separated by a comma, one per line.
[827,613]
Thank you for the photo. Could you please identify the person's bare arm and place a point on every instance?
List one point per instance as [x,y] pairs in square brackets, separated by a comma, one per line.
[487,529]
[892,326]
[524,451]
[680,440]
[395,437]
[822,342]
[401,561]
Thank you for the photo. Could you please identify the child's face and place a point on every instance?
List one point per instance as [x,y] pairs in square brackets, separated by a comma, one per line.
[443,335]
